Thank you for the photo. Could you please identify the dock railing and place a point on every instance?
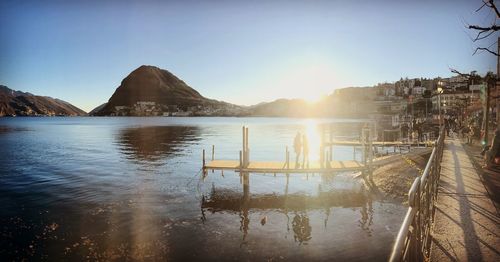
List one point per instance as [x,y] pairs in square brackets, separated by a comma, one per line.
[413,239]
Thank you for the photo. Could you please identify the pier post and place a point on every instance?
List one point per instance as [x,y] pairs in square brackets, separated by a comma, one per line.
[203,158]
[248,158]
[287,158]
[326,158]
[241,159]
[246,186]
[213,152]
[204,170]
[246,137]
[331,152]
[321,155]
[287,182]
[244,149]
[331,140]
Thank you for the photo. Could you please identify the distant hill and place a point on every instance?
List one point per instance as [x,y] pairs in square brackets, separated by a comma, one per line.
[17,103]
[344,102]
[97,109]
[282,107]
[149,90]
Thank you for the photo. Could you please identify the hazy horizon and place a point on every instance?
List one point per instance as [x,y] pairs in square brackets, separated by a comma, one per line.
[235,51]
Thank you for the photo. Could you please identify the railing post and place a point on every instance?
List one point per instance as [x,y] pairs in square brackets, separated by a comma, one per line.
[418,230]
[287,158]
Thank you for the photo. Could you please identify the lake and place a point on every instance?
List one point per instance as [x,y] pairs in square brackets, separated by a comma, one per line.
[85,188]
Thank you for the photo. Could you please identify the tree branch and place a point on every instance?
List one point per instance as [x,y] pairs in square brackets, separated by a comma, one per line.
[479,37]
[491,4]
[484,32]
[485,29]
[485,49]
[459,73]
[484,4]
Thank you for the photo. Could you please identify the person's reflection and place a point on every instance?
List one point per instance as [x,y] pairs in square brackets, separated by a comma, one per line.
[366,217]
[301,228]
[151,143]
[327,216]
[244,223]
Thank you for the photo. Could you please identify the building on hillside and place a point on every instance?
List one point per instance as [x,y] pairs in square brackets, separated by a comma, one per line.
[453,101]
[418,91]
[459,83]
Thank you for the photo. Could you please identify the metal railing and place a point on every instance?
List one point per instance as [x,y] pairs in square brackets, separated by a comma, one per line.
[413,239]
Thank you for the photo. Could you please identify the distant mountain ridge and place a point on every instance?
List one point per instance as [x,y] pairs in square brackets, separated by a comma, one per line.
[17,103]
[151,91]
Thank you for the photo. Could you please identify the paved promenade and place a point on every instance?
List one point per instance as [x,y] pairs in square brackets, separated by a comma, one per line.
[467,224]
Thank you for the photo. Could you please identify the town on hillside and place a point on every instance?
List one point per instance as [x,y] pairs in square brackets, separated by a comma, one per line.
[415,108]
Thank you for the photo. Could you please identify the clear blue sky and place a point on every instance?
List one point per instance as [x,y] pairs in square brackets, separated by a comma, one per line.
[243,52]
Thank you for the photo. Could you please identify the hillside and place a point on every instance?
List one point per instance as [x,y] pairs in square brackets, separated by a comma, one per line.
[17,103]
[149,90]
[345,102]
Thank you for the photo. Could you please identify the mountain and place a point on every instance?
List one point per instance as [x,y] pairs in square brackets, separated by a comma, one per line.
[283,107]
[149,90]
[344,102]
[17,103]
[97,109]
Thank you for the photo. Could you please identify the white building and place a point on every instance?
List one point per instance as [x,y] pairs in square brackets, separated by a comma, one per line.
[453,101]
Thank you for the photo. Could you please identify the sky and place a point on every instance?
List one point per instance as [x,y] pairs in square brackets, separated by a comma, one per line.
[242,52]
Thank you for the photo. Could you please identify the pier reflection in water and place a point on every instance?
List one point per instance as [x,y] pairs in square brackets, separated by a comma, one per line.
[296,205]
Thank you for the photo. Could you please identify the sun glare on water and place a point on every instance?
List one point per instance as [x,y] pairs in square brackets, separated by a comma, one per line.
[313,134]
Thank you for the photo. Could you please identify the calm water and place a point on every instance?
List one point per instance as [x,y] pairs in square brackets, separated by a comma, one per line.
[131,188]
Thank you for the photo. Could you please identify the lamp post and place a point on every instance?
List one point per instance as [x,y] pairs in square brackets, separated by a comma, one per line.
[440,91]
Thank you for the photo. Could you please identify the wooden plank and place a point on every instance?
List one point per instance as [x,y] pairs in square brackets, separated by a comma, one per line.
[281,167]
[223,164]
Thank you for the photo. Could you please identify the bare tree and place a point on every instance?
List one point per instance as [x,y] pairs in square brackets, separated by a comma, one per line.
[484,32]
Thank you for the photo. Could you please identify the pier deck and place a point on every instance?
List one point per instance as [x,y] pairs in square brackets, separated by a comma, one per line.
[281,166]
[314,166]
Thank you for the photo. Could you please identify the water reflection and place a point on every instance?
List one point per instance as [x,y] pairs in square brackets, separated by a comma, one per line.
[152,143]
[366,217]
[301,228]
[294,206]
[8,129]
[228,200]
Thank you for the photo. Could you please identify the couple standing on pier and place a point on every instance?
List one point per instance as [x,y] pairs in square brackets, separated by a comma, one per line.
[301,145]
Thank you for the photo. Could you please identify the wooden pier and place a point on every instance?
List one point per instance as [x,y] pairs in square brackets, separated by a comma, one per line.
[326,164]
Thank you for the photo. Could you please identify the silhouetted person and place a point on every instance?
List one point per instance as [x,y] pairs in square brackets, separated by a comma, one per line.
[447,127]
[419,132]
[297,146]
[470,134]
[305,147]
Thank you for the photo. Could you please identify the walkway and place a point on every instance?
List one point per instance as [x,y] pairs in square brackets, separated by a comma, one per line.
[467,225]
